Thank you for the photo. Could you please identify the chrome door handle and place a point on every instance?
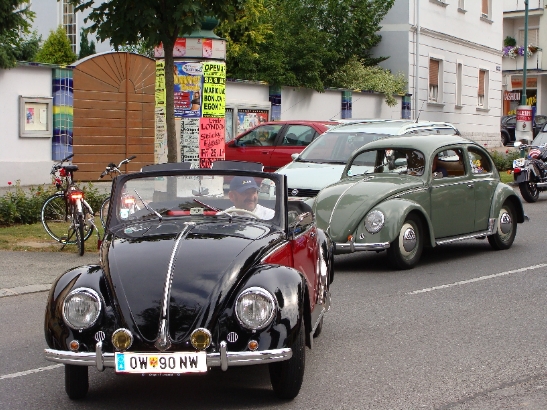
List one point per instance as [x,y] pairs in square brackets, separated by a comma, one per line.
[470,185]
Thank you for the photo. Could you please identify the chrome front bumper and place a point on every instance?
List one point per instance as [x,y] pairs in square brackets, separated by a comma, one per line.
[350,247]
[222,359]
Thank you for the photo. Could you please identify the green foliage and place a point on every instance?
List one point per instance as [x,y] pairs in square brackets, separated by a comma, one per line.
[504,161]
[15,23]
[509,41]
[87,47]
[310,43]
[355,76]
[142,47]
[24,206]
[56,49]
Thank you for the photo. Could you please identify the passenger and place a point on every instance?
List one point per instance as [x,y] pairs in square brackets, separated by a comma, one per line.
[438,169]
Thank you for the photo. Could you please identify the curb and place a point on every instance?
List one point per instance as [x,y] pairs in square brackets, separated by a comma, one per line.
[23,290]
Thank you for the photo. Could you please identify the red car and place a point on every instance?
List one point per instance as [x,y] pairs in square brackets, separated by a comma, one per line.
[272,143]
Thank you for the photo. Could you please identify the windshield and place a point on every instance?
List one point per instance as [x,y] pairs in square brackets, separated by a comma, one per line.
[388,161]
[336,147]
[196,196]
[541,138]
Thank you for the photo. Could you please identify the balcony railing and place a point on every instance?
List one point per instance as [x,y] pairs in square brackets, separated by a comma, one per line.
[533,63]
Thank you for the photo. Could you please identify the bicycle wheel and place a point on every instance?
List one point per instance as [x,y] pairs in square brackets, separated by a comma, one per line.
[79,228]
[55,220]
[103,213]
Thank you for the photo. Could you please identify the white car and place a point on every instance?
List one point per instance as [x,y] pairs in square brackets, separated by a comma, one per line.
[323,161]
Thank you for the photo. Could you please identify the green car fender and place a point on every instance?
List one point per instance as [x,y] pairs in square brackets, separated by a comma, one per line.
[395,213]
[504,193]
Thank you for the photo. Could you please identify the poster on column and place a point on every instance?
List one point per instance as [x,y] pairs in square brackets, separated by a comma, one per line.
[214,89]
[188,79]
[211,141]
[189,140]
[160,142]
[249,118]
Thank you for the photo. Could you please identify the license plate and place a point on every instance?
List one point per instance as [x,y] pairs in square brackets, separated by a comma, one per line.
[519,162]
[161,363]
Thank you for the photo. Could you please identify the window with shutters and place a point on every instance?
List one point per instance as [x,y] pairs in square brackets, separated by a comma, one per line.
[533,37]
[486,7]
[482,93]
[434,79]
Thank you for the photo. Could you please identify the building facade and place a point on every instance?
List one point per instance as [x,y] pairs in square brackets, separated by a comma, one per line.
[52,13]
[515,51]
[450,53]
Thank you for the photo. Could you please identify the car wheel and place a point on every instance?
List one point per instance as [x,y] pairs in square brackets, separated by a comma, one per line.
[287,376]
[529,191]
[76,381]
[504,139]
[319,327]
[405,251]
[506,228]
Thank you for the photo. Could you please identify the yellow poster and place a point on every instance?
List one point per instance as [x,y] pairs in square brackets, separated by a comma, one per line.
[160,83]
[214,89]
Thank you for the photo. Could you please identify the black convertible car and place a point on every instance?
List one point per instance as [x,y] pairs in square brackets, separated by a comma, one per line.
[194,274]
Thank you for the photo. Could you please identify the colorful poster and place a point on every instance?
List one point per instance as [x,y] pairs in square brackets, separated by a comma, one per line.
[214,89]
[30,115]
[180,47]
[211,141]
[188,78]
[189,140]
[160,84]
[207,48]
[249,118]
[160,142]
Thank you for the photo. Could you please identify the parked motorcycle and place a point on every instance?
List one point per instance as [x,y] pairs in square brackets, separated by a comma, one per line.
[530,171]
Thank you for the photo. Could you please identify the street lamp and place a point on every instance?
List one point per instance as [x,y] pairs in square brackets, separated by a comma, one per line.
[523,130]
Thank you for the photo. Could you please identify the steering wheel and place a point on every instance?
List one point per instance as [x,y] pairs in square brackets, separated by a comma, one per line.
[257,141]
[229,211]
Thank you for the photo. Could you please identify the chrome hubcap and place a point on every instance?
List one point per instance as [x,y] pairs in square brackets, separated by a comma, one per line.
[505,223]
[409,240]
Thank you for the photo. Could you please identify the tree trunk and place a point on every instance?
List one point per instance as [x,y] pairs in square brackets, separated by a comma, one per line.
[172,149]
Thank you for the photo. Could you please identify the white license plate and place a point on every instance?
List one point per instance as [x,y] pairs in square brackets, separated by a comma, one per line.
[519,162]
[161,363]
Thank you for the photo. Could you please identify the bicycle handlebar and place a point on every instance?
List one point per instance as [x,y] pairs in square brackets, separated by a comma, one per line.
[113,168]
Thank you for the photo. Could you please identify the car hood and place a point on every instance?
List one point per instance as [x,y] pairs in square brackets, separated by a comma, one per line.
[309,175]
[341,206]
[197,264]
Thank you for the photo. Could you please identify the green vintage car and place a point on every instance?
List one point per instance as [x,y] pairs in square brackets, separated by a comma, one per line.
[400,194]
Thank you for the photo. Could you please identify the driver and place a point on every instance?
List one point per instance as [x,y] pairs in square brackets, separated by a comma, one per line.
[244,195]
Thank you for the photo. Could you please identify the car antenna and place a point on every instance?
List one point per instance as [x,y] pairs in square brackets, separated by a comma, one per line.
[419,112]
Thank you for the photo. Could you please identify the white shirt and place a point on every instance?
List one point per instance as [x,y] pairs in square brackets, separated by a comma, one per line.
[260,211]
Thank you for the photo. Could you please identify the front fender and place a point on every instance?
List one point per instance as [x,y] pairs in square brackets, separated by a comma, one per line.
[289,289]
[502,194]
[58,335]
[395,212]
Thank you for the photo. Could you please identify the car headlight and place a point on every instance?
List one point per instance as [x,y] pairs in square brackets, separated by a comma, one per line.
[81,308]
[374,221]
[255,308]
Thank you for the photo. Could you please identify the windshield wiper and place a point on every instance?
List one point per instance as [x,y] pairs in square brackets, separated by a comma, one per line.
[148,207]
[212,208]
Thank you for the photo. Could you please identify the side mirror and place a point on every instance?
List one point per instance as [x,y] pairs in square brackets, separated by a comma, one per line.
[300,224]
[294,156]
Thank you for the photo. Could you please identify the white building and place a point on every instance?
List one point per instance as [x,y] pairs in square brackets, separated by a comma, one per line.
[450,52]
[536,64]
[52,13]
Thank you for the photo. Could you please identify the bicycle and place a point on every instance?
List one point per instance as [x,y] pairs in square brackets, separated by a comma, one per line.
[66,216]
[112,169]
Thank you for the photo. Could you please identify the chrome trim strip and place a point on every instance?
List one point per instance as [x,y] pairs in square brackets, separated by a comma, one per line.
[338,200]
[275,249]
[162,342]
[489,231]
[213,359]
[99,358]
[350,247]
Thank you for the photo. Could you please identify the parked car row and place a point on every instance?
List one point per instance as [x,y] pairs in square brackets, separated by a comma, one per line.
[508,126]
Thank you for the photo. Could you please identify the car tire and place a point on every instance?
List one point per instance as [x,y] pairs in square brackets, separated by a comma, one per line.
[319,327]
[504,139]
[506,228]
[529,191]
[287,376]
[406,258]
[76,381]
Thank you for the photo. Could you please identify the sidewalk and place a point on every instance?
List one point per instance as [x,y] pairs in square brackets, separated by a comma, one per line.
[102,186]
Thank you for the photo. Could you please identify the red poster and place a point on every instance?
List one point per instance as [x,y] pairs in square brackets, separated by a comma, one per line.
[180,48]
[211,141]
[207,45]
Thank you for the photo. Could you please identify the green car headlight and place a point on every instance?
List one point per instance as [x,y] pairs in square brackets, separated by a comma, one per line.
[374,221]
[81,308]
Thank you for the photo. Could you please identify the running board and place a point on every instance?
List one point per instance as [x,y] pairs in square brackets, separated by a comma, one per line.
[489,231]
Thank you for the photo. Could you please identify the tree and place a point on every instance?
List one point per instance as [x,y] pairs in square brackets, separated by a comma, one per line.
[310,43]
[87,47]
[56,49]
[15,22]
[126,22]
[142,48]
